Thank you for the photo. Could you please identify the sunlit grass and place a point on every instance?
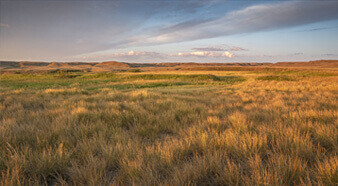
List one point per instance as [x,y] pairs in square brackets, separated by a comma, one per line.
[169,128]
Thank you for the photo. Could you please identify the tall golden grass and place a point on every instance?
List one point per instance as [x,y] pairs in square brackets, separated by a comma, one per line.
[261,130]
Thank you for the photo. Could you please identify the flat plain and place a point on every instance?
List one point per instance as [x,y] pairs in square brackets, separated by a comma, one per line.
[197,125]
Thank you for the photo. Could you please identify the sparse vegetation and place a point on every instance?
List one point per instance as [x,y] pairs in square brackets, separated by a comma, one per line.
[169,128]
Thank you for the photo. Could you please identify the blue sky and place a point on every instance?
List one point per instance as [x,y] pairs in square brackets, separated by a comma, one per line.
[169,31]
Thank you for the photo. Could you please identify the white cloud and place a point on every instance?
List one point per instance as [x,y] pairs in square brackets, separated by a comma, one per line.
[228,54]
[130,53]
[140,55]
[206,54]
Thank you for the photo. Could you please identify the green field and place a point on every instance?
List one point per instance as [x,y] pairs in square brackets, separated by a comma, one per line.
[169,128]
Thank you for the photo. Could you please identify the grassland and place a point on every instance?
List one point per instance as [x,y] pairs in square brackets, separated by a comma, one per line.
[266,127]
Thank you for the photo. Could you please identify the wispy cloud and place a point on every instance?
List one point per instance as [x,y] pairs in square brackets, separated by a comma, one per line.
[237,49]
[251,19]
[136,53]
[130,55]
[5,25]
[220,48]
[208,49]
[318,29]
[329,55]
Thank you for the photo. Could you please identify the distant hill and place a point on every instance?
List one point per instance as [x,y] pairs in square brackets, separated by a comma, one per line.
[319,64]
[24,64]
[112,65]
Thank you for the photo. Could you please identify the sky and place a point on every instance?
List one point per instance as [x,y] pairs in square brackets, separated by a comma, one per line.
[144,31]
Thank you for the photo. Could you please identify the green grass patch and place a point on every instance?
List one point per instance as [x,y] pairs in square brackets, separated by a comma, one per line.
[100,76]
[100,80]
[277,78]
[194,77]
[33,84]
[135,70]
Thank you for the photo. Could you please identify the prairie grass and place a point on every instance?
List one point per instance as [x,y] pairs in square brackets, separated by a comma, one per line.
[169,128]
